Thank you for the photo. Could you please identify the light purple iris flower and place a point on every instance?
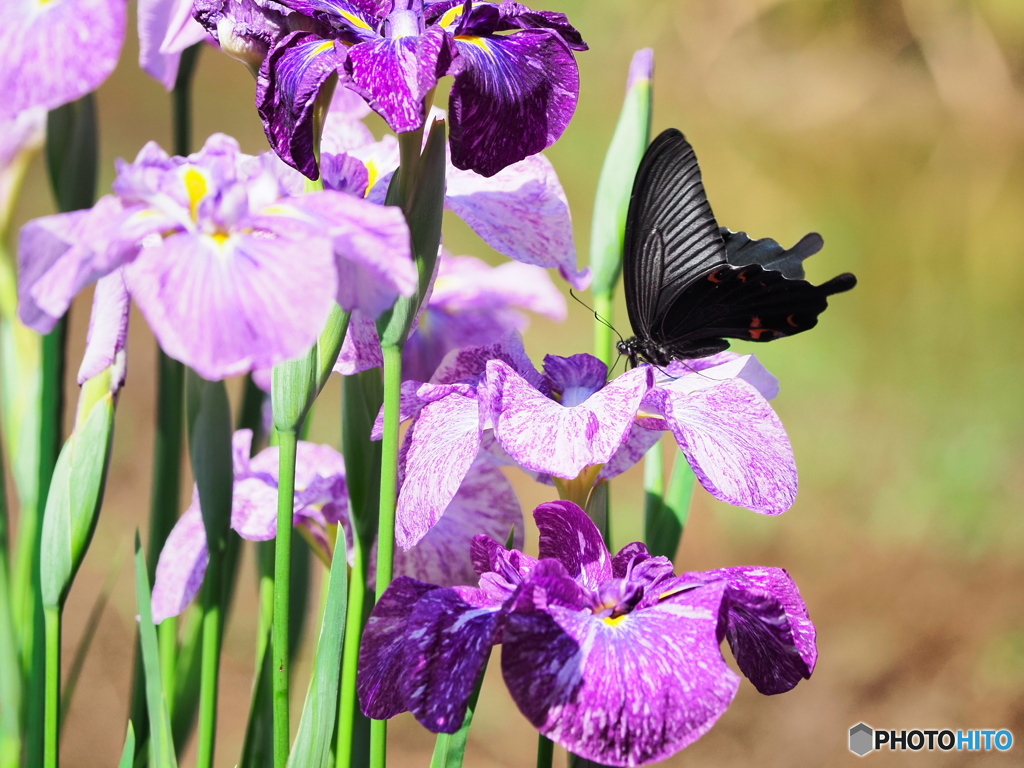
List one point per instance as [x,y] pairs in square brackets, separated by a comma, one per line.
[485,502]
[166,28]
[107,337]
[231,271]
[54,52]
[571,425]
[516,80]
[615,658]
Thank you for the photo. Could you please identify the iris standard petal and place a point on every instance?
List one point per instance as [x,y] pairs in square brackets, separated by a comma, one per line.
[545,436]
[735,443]
[470,364]
[465,283]
[395,75]
[381,652]
[166,28]
[182,565]
[364,15]
[513,97]
[625,691]
[53,53]
[518,16]
[569,536]
[287,88]
[108,329]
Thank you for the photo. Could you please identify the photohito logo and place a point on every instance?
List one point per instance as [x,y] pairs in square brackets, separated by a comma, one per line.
[864,739]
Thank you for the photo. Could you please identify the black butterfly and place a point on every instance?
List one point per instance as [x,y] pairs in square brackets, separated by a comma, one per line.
[690,285]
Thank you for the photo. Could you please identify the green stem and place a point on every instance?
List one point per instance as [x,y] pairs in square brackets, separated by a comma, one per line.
[212,635]
[10,671]
[288,447]
[386,521]
[348,710]
[604,344]
[545,752]
[51,747]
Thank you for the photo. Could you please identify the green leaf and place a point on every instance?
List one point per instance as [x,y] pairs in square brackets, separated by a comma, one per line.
[209,439]
[76,493]
[293,389]
[161,743]
[363,398]
[665,515]
[128,753]
[72,153]
[187,675]
[632,135]
[450,748]
[312,748]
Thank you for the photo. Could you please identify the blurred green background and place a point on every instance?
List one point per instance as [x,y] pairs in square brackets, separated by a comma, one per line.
[896,129]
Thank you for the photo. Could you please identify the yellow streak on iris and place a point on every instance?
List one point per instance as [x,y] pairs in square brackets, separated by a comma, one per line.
[220,237]
[479,42]
[196,187]
[323,47]
[372,174]
[354,20]
[614,621]
[452,15]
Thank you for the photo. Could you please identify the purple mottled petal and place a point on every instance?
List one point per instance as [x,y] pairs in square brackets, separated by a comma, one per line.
[626,555]
[53,53]
[521,212]
[361,349]
[569,536]
[639,441]
[620,692]
[769,630]
[372,248]
[166,28]
[416,395]
[246,30]
[545,436]
[518,16]
[108,330]
[254,509]
[447,645]
[735,443]
[395,75]
[439,449]
[513,98]
[469,365]
[485,504]
[574,379]
[465,283]
[241,452]
[182,565]
[381,667]
[361,15]
[287,88]
[59,255]
[687,375]
[242,294]
[344,173]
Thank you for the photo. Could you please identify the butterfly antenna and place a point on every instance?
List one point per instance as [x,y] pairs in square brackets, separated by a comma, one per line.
[597,317]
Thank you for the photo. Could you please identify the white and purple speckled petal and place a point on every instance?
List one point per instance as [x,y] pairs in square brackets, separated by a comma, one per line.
[52,53]
[182,565]
[546,436]
[569,536]
[521,212]
[470,364]
[381,653]
[361,349]
[108,330]
[448,642]
[485,504]
[439,449]
[735,443]
[638,443]
[621,692]
[688,375]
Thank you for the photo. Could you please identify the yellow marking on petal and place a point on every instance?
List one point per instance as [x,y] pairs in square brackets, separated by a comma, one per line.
[197,187]
[372,174]
[323,47]
[451,15]
[673,592]
[480,42]
[354,20]
[614,621]
[220,237]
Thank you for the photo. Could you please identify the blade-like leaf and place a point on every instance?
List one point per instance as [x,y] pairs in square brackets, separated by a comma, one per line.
[209,437]
[128,753]
[312,748]
[665,516]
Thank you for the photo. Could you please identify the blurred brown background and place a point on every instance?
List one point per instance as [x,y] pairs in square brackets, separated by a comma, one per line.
[896,129]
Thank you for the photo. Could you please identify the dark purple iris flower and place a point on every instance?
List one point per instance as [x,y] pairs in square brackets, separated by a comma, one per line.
[516,80]
[615,658]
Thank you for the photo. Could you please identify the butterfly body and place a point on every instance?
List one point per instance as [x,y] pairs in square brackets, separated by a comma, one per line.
[685,299]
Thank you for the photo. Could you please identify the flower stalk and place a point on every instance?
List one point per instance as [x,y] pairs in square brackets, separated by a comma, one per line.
[288,447]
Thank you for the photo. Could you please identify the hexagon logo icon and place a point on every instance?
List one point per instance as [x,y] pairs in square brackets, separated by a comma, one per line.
[862,739]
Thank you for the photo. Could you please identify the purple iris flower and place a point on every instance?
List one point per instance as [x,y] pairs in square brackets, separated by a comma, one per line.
[231,271]
[615,658]
[107,338]
[485,502]
[572,426]
[166,28]
[516,80]
[54,52]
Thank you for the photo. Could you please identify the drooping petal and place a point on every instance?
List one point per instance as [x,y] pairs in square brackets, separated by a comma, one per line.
[545,436]
[569,536]
[287,88]
[513,98]
[53,53]
[485,504]
[518,16]
[688,375]
[465,283]
[381,653]
[395,75]
[166,28]
[355,15]
[182,565]
[522,212]
[449,638]
[108,330]
[361,349]
[623,691]
[438,451]
[735,443]
[226,308]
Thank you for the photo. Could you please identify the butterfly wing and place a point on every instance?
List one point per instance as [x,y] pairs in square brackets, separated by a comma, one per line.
[743,302]
[741,250]
[671,234]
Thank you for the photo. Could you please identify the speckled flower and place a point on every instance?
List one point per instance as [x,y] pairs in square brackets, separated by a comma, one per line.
[231,271]
[573,425]
[166,29]
[516,81]
[615,658]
